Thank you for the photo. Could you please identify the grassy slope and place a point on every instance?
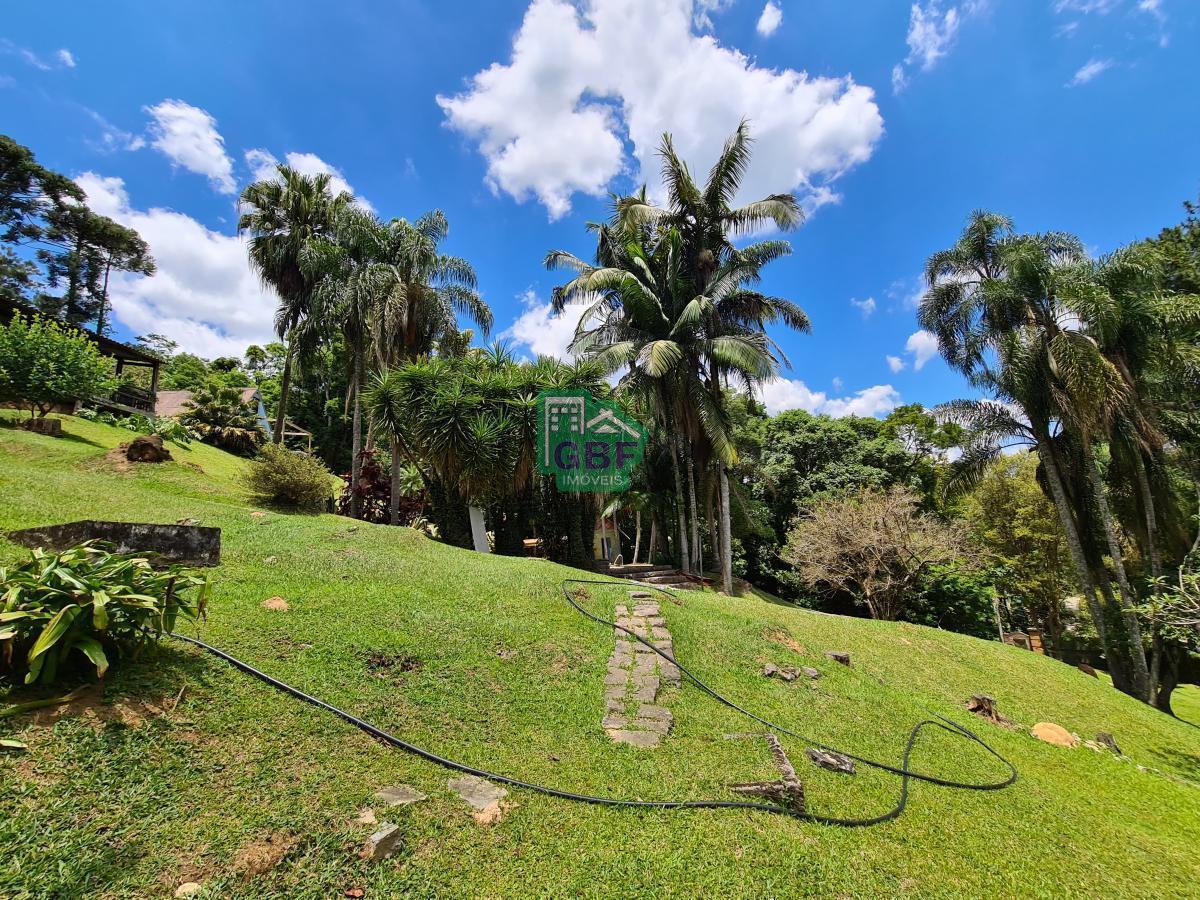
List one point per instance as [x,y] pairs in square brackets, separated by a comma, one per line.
[131,811]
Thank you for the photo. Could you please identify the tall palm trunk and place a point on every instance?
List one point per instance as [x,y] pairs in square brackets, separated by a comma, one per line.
[697,552]
[1156,571]
[356,440]
[1082,571]
[1137,652]
[653,539]
[284,387]
[685,559]
[726,538]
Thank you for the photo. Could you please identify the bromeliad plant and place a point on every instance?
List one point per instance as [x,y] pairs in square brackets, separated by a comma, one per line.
[88,603]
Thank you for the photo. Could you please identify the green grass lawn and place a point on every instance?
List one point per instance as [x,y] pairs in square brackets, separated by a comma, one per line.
[503,674]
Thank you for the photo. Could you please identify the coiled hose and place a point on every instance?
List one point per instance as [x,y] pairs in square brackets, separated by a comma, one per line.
[903,770]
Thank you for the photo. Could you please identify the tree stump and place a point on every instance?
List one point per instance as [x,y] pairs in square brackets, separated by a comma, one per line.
[147,448]
[48,427]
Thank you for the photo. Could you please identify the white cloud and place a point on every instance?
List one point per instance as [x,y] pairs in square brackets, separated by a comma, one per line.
[781,394]
[895,363]
[262,166]
[931,34]
[923,345]
[203,295]
[702,16]
[770,20]
[1086,7]
[1088,71]
[541,331]
[188,136]
[63,58]
[113,138]
[553,121]
[837,383]
[866,307]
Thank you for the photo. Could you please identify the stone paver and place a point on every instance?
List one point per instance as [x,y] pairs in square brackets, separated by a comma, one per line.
[635,675]
[483,797]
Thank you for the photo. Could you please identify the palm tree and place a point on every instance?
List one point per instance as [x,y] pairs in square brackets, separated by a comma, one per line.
[422,291]
[675,296]
[1007,311]
[282,215]
[707,220]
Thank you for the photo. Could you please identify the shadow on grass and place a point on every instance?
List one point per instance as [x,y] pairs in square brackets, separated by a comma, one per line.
[1186,763]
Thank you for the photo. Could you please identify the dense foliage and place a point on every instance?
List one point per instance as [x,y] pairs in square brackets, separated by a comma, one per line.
[876,547]
[43,364]
[218,416]
[87,604]
[289,479]
[78,250]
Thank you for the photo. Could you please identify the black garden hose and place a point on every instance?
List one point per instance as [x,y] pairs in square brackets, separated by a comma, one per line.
[902,770]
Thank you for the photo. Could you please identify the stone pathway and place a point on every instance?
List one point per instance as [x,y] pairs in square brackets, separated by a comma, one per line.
[635,674]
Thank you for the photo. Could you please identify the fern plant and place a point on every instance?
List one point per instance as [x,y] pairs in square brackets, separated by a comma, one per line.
[88,603]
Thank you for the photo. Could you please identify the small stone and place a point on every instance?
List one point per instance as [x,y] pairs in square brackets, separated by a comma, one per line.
[399,795]
[1107,741]
[657,726]
[382,843]
[810,671]
[258,514]
[641,595]
[648,711]
[647,740]
[839,656]
[188,888]
[483,797]
[645,688]
[1053,734]
[788,674]
[366,816]
[834,762]
[191,523]
[278,604]
[270,560]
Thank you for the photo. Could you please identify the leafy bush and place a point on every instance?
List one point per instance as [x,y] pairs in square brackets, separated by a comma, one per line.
[43,364]
[166,427]
[89,603]
[287,478]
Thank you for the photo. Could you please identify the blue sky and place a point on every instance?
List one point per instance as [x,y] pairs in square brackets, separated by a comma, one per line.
[891,121]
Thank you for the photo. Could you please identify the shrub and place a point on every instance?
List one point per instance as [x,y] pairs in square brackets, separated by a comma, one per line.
[217,415]
[286,478]
[43,364]
[873,546]
[88,603]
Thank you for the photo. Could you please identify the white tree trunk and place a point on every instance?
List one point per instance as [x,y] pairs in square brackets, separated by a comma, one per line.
[478,530]
[637,538]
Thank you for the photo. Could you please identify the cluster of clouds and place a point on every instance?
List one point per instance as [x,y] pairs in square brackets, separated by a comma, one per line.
[204,294]
[934,27]
[932,31]
[587,94]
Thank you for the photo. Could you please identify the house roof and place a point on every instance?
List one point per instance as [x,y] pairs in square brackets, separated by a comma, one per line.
[172,403]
